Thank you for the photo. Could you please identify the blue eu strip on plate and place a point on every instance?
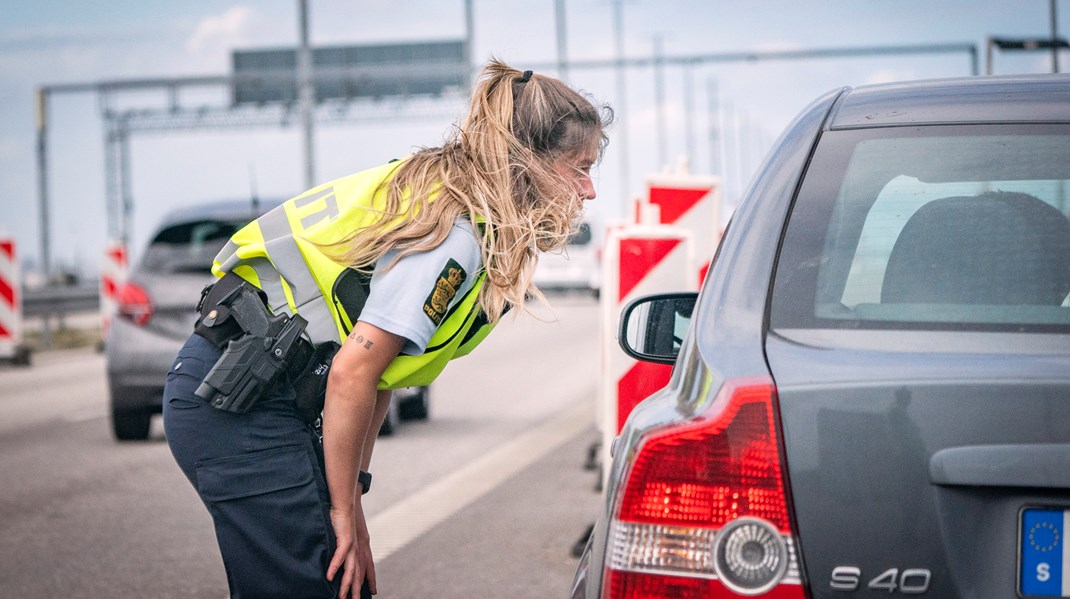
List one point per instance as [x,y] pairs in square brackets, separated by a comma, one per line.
[1045,559]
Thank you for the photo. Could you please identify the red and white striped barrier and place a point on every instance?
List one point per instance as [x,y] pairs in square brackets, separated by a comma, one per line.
[692,202]
[112,276]
[638,260]
[10,302]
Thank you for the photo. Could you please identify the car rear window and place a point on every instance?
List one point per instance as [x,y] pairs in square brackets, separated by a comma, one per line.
[188,247]
[931,228]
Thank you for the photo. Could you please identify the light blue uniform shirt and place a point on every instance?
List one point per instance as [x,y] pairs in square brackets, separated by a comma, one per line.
[397,298]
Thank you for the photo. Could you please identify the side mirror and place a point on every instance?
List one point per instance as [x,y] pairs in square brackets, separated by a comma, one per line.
[652,327]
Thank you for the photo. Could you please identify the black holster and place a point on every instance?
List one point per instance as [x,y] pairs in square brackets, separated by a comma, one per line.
[259,346]
[216,321]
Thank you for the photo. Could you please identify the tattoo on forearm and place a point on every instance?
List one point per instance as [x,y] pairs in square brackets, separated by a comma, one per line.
[367,343]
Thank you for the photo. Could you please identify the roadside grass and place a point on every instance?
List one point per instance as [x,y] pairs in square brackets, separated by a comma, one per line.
[63,337]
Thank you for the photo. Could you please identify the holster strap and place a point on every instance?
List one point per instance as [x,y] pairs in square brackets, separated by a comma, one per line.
[219,322]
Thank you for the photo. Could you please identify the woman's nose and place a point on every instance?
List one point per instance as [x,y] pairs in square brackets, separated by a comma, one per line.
[586,188]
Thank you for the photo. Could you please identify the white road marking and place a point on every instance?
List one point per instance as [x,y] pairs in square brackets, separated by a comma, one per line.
[396,526]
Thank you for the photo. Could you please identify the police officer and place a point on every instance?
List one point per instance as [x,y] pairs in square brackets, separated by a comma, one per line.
[406,266]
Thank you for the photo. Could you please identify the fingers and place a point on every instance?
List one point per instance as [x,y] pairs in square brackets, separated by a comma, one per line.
[369,575]
[352,557]
[343,534]
[353,575]
[338,560]
[349,579]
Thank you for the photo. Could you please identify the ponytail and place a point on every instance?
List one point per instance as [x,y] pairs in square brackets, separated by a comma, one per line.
[496,169]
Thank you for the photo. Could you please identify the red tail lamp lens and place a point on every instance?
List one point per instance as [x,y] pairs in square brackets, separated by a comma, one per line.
[709,472]
[703,511]
[630,585]
[135,304]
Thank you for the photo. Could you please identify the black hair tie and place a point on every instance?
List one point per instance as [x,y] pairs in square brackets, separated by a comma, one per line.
[525,77]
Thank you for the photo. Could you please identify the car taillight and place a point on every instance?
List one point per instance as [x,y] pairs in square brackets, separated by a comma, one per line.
[702,511]
[134,304]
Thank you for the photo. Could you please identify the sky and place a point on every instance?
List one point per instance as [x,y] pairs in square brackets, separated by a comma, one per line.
[721,116]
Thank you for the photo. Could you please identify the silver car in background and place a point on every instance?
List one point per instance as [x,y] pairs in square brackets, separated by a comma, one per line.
[157,310]
[872,397]
[156,307]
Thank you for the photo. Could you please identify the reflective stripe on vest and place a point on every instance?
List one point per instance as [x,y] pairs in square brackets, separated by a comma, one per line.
[280,254]
[305,297]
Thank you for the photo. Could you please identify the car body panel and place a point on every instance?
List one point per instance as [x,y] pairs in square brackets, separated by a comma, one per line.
[136,355]
[872,390]
[734,290]
[905,450]
[1003,99]
[861,430]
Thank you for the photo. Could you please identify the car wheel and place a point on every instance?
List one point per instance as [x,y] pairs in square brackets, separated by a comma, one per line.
[416,407]
[131,424]
[392,420]
[23,356]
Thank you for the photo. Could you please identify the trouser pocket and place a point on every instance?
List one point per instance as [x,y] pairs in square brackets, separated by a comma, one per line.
[271,522]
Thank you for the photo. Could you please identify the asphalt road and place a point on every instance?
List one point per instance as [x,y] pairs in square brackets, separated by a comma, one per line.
[485,499]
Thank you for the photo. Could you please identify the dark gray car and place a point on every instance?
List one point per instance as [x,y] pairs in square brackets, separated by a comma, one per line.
[873,395]
[156,313]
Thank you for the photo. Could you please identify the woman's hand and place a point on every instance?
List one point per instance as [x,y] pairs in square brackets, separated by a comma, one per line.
[353,555]
[352,414]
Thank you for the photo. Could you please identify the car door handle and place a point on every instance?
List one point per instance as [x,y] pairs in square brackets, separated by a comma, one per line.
[1038,466]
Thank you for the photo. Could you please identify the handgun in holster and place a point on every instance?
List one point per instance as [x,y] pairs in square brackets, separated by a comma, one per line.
[251,363]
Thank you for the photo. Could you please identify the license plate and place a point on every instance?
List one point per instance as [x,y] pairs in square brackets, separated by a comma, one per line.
[1044,556]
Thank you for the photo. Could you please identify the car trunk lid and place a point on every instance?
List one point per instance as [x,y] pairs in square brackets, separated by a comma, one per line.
[174,301]
[909,474]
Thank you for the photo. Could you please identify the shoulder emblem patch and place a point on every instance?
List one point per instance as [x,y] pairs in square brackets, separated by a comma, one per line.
[446,286]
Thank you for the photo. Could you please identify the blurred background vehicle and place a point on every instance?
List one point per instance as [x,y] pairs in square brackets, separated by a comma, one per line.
[576,268]
[156,313]
[156,307]
[872,394]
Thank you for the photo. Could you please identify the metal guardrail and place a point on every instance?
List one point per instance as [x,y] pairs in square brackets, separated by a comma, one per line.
[51,306]
[45,302]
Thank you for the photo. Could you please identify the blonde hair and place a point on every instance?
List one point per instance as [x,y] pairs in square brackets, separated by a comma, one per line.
[498,170]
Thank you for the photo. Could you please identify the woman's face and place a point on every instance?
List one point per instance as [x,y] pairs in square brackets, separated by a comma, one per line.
[576,169]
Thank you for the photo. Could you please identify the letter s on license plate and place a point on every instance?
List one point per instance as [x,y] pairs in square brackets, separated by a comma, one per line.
[1043,555]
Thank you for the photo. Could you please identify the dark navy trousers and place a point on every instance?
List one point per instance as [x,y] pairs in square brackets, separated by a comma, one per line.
[261,476]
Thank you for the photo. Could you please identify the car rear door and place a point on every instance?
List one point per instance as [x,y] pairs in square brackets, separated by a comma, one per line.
[920,344]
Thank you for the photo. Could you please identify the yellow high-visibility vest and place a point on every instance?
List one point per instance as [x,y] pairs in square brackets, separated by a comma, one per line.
[281,254]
